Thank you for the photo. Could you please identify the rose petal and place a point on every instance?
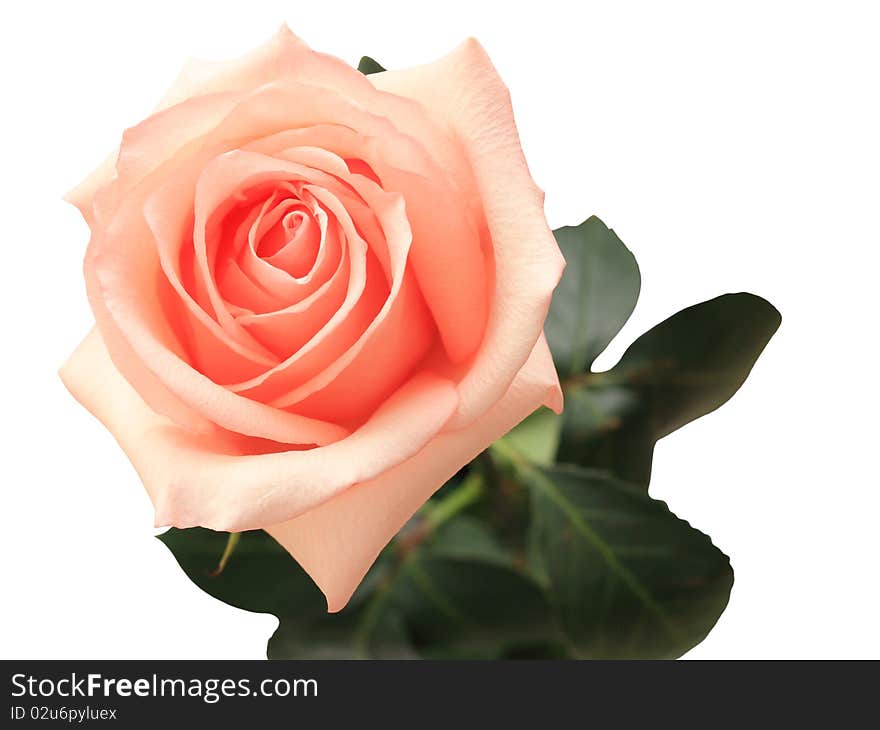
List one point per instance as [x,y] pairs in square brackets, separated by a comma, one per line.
[197,78]
[338,541]
[203,480]
[464,90]
[241,295]
[83,195]
[287,57]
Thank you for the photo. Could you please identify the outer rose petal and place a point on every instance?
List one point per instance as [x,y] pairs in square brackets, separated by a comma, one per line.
[84,193]
[285,56]
[464,89]
[211,480]
[337,542]
[196,78]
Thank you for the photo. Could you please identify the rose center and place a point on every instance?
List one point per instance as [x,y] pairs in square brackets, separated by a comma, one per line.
[292,240]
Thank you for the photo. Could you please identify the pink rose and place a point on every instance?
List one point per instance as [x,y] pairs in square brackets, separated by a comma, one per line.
[317,294]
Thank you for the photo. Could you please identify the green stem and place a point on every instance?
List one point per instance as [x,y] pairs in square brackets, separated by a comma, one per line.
[231,542]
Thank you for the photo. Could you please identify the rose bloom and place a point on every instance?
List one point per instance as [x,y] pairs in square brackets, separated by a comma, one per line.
[317,295]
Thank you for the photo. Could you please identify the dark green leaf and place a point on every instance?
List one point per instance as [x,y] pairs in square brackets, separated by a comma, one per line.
[680,370]
[464,608]
[369,66]
[467,537]
[627,577]
[259,576]
[595,297]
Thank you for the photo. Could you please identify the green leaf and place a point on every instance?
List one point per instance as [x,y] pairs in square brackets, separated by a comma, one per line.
[595,297]
[680,370]
[468,538]
[369,66]
[627,577]
[470,609]
[259,575]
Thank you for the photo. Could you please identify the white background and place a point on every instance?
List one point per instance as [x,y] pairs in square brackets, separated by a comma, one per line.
[730,149]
